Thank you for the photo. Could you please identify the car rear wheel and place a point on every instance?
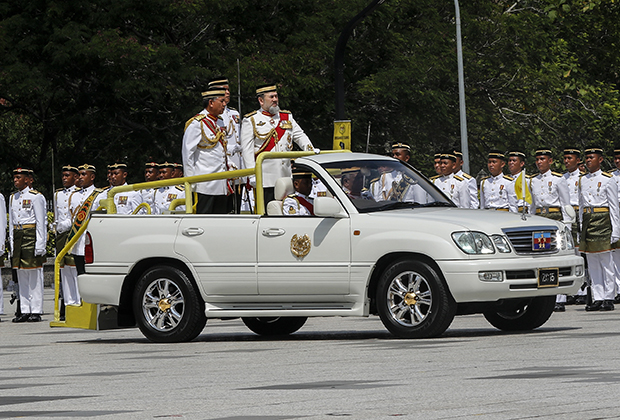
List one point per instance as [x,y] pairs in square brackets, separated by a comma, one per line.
[274,325]
[413,301]
[167,307]
[522,314]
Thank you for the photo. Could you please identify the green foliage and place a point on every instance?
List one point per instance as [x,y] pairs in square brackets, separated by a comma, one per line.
[104,80]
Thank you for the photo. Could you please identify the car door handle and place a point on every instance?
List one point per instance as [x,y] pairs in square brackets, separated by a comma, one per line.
[193,231]
[273,232]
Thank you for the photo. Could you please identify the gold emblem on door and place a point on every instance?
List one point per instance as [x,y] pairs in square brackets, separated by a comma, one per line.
[300,245]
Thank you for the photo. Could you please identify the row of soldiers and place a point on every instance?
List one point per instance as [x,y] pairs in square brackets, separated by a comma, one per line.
[587,202]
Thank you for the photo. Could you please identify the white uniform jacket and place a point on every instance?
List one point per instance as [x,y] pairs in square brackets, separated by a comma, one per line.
[205,152]
[165,195]
[599,189]
[62,211]
[497,192]
[550,190]
[232,122]
[472,187]
[455,187]
[76,200]
[27,207]
[297,204]
[262,131]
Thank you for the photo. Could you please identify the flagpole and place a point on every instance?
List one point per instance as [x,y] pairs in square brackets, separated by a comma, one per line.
[523,192]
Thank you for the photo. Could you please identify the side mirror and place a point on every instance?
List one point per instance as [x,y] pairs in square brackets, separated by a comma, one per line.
[571,212]
[328,207]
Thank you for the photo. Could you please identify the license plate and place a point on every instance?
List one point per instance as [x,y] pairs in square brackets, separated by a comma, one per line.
[548,277]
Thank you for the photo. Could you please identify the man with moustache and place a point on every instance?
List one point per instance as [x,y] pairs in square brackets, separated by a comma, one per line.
[270,129]
[205,152]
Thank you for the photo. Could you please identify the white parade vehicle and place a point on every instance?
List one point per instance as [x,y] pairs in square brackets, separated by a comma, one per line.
[415,260]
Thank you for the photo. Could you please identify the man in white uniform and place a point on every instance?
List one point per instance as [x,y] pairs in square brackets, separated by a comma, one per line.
[85,188]
[62,222]
[516,163]
[550,198]
[125,202]
[2,241]
[455,187]
[572,160]
[616,247]
[299,203]
[232,122]
[270,129]
[472,186]
[151,173]
[165,195]
[28,237]
[495,190]
[600,228]
[205,151]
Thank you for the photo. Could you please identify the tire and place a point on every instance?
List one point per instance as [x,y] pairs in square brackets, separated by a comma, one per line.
[523,314]
[274,325]
[167,307]
[413,301]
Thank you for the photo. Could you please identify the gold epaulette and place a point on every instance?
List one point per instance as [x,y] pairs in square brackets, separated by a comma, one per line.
[180,187]
[60,189]
[607,174]
[582,173]
[556,173]
[231,108]
[375,179]
[250,114]
[196,117]
[531,176]
[100,190]
[77,189]
[284,111]
[509,178]
[485,177]
[35,192]
[292,195]
[434,177]
[466,176]
[458,178]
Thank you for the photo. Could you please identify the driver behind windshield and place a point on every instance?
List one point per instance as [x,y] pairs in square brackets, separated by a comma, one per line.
[299,203]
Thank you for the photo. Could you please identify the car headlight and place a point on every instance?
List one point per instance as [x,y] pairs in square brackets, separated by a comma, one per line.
[501,243]
[473,242]
[565,239]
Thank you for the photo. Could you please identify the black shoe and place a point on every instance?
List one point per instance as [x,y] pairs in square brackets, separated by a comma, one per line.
[21,318]
[580,300]
[34,318]
[570,299]
[596,306]
[617,298]
[559,307]
[608,305]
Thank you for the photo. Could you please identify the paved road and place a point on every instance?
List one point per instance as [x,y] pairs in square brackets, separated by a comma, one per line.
[331,368]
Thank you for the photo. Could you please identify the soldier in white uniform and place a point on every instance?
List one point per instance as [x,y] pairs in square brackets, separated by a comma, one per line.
[165,195]
[28,237]
[516,163]
[455,187]
[151,173]
[380,188]
[125,202]
[205,152]
[62,223]
[2,241]
[600,228]
[404,188]
[616,247]
[270,129]
[299,203]
[472,186]
[572,160]
[495,190]
[86,187]
[549,198]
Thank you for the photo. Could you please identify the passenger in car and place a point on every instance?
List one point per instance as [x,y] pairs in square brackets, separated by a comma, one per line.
[299,203]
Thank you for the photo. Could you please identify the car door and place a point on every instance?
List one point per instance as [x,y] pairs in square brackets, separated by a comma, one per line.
[222,249]
[283,269]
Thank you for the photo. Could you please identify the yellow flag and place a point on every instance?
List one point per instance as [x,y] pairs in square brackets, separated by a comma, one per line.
[522,189]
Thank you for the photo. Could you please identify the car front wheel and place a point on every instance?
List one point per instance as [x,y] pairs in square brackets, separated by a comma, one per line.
[522,314]
[413,301]
[274,325]
[167,307]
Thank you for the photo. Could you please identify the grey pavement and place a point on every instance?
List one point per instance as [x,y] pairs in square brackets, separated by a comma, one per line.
[332,368]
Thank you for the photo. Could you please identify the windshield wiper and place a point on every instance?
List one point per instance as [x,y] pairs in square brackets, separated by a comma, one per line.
[438,204]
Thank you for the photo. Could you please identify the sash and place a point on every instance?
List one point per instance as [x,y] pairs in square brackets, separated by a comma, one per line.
[278,132]
[306,204]
[82,213]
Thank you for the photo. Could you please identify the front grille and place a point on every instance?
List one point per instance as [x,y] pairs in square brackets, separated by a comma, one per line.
[522,239]
[531,274]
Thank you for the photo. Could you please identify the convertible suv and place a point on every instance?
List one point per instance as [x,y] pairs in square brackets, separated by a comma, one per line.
[400,250]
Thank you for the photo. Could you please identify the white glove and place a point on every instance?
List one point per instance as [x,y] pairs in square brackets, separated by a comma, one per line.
[252,181]
[39,252]
[235,148]
[614,239]
[63,226]
[317,151]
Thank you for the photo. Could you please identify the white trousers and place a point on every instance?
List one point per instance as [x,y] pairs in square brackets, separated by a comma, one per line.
[70,292]
[1,297]
[602,273]
[31,290]
[616,256]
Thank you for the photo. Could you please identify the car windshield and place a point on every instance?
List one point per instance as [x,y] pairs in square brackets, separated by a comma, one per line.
[378,185]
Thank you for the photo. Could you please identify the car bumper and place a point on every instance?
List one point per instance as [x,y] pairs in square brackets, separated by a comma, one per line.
[519,277]
[101,288]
